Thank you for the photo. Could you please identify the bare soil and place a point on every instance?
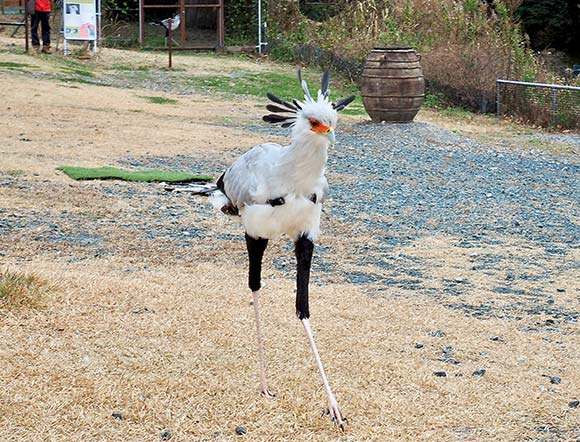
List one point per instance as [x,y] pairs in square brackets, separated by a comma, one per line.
[151,329]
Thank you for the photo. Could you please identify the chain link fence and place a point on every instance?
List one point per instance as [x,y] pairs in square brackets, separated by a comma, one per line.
[542,104]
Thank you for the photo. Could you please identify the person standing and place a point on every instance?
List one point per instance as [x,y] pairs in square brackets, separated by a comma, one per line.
[41,15]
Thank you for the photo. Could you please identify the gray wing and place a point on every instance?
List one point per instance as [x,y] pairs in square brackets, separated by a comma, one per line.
[247,181]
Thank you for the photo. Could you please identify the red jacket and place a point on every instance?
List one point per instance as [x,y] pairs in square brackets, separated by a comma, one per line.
[42,6]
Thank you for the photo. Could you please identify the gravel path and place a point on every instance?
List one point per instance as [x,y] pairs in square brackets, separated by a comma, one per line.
[394,185]
[510,216]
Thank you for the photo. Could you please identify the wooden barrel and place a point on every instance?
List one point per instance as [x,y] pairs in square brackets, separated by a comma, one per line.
[393,86]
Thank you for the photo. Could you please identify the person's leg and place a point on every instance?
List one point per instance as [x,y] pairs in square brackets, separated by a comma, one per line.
[45,23]
[34,21]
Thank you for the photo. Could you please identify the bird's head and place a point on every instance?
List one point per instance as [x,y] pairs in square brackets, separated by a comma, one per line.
[311,119]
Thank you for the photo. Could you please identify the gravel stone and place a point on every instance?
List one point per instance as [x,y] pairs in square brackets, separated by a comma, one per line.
[241,431]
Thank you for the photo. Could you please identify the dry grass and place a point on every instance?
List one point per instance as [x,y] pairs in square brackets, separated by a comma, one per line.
[164,335]
[173,348]
[19,290]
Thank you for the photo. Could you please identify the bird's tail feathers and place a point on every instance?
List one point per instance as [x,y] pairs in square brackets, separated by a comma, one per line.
[194,189]
[218,199]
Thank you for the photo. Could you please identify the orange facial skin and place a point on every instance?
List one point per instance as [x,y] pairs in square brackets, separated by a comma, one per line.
[318,127]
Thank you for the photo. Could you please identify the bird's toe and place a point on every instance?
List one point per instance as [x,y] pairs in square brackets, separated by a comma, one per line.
[334,412]
[268,394]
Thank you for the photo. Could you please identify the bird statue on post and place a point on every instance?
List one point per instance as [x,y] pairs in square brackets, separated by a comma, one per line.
[174,22]
[280,190]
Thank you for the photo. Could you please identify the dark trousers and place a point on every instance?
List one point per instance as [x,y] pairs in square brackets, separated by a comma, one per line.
[43,19]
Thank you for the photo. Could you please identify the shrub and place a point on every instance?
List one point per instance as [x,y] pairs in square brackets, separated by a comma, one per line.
[465,44]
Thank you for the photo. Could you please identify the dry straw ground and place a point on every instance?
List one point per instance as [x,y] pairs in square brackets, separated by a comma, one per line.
[162,333]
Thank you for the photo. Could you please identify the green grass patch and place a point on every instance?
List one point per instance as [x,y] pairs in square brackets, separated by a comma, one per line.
[283,85]
[112,173]
[19,290]
[160,100]
[14,65]
[457,113]
[127,68]
[77,71]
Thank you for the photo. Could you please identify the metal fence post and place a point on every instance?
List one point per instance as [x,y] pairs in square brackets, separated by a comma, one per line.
[554,106]
[497,104]
[554,109]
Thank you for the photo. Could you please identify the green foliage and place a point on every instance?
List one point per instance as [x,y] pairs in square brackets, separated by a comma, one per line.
[318,11]
[552,23]
[241,22]
[466,44]
[435,100]
[121,9]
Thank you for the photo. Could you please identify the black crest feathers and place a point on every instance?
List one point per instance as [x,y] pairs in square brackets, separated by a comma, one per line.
[325,83]
[283,108]
[342,103]
[285,113]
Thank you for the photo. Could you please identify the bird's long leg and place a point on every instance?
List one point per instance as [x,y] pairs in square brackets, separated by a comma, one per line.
[261,361]
[256,249]
[304,250]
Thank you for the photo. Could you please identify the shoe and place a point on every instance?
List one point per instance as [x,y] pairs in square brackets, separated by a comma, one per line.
[46,50]
[36,49]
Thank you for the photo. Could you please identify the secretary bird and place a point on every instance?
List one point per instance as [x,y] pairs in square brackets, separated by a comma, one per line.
[280,190]
[175,22]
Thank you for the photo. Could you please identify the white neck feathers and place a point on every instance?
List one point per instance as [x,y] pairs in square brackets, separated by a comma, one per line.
[304,161]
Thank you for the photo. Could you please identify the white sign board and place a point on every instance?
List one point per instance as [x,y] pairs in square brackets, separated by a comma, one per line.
[80,20]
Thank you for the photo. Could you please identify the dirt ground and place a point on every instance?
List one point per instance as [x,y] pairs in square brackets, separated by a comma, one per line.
[151,320]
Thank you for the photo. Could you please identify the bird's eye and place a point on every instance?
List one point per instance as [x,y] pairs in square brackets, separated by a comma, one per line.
[313,122]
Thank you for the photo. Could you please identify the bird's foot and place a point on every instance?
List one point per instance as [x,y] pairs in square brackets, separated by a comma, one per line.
[267,394]
[334,412]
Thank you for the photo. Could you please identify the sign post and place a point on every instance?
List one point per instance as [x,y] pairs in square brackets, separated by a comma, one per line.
[80,21]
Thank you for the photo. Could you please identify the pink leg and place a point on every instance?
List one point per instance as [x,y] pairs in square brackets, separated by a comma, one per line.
[262,364]
[332,409]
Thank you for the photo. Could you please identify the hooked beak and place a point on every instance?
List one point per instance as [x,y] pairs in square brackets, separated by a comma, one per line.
[331,137]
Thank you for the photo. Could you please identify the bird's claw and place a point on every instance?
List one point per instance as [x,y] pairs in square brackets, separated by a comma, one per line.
[334,412]
[268,394]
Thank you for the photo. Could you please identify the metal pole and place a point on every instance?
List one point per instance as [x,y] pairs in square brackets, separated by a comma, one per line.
[497,103]
[98,17]
[26,30]
[170,42]
[554,106]
[141,24]
[260,27]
